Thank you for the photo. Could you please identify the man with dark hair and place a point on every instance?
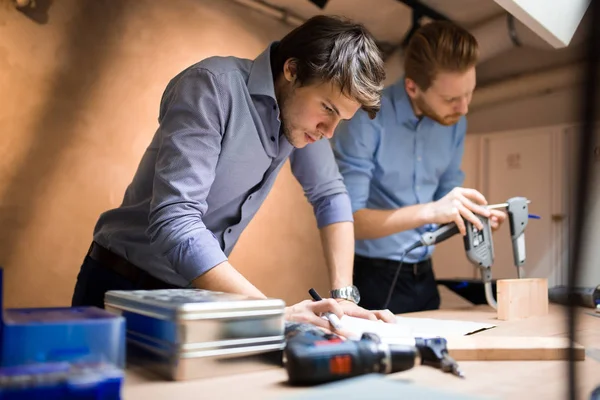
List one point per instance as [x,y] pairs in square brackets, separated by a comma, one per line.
[403,169]
[226,127]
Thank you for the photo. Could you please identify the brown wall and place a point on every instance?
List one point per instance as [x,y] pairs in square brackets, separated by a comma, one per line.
[78,105]
[79,96]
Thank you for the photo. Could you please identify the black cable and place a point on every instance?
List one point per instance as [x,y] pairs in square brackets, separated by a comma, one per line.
[581,200]
[389,296]
[408,250]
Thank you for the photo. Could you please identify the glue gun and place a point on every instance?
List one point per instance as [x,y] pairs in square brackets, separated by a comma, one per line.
[478,243]
[312,356]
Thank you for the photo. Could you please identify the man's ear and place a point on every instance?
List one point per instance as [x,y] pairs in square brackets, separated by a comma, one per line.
[411,87]
[290,70]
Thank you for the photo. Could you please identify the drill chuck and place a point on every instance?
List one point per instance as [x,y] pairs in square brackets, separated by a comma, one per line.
[403,357]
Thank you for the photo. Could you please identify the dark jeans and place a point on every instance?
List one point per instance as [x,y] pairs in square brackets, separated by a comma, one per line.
[415,289]
[94,280]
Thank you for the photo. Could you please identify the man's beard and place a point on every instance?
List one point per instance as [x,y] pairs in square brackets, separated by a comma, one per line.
[286,129]
[427,111]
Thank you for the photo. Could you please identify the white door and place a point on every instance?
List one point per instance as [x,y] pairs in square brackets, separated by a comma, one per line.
[525,163]
[449,258]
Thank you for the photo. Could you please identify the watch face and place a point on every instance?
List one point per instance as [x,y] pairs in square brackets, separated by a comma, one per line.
[355,295]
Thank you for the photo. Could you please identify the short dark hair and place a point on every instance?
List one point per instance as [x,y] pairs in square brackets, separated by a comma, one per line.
[335,49]
[439,46]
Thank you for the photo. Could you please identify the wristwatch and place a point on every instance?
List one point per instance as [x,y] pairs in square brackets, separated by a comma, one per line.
[349,293]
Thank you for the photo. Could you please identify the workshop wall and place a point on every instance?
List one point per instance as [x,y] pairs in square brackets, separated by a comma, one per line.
[81,85]
[548,109]
[80,94]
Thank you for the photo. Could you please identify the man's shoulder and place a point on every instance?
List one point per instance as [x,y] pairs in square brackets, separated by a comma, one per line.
[224,65]
[229,73]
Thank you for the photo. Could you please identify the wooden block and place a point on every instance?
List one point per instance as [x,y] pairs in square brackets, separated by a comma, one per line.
[521,298]
[511,348]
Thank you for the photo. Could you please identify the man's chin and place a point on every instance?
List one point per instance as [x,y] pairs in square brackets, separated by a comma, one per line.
[448,121]
[297,143]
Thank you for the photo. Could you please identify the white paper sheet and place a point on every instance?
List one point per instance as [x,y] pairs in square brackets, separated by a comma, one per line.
[406,327]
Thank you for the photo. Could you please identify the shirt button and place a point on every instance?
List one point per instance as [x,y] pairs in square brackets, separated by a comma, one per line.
[250,197]
[418,187]
[272,138]
[419,158]
[274,107]
[229,230]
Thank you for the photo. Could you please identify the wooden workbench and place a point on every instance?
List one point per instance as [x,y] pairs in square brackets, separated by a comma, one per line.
[496,379]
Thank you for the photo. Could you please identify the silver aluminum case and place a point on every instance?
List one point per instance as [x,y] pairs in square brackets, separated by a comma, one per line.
[191,333]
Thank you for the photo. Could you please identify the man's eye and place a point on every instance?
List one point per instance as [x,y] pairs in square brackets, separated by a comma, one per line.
[328,109]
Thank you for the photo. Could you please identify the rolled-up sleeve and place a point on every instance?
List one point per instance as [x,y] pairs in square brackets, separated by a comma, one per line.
[354,145]
[315,168]
[190,135]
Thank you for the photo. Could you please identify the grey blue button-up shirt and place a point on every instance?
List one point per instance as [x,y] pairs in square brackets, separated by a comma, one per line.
[209,167]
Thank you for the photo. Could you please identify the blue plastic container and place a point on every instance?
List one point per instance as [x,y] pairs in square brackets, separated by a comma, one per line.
[76,335]
[61,381]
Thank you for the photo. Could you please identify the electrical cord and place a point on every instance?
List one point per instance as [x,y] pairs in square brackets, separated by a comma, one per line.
[489,295]
[389,296]
[408,250]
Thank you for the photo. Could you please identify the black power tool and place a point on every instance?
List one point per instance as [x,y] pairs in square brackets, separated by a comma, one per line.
[312,356]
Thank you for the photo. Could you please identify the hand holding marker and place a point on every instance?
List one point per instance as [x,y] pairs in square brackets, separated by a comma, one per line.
[331,317]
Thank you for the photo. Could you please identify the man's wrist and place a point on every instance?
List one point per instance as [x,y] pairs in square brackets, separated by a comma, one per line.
[287,313]
[349,293]
[426,213]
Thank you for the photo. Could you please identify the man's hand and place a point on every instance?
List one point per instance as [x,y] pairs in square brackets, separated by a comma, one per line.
[497,218]
[458,204]
[354,310]
[309,311]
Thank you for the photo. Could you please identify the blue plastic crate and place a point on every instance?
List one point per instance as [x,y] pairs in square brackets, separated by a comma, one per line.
[78,334]
[61,381]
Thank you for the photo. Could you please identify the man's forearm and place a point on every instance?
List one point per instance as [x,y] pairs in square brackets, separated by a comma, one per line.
[374,224]
[225,278]
[338,246]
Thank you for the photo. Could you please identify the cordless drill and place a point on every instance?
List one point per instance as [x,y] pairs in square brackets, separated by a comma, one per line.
[312,356]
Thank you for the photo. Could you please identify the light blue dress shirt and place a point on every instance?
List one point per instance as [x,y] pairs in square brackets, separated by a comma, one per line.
[398,160]
[208,169]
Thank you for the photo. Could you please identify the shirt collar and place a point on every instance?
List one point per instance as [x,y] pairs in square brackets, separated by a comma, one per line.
[260,81]
[405,112]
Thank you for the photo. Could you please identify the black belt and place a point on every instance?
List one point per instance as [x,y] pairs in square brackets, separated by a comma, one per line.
[416,268]
[127,270]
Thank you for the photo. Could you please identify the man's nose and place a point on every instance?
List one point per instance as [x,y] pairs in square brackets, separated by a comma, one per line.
[327,129]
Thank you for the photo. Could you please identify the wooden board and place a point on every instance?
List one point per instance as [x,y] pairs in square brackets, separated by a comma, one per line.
[511,348]
[521,298]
